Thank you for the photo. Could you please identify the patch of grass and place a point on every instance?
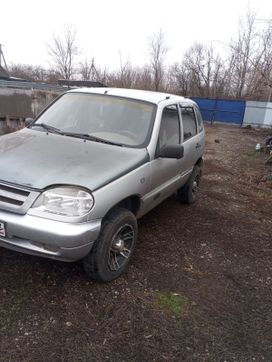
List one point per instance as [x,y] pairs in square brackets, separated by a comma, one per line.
[9,314]
[12,306]
[175,303]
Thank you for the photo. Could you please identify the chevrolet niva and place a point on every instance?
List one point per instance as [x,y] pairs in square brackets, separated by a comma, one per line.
[74,182]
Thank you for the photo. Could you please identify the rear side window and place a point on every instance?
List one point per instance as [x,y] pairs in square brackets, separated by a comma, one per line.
[170,127]
[199,119]
[189,122]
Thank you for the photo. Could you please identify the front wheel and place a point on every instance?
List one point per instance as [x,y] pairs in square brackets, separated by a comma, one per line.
[187,193]
[114,247]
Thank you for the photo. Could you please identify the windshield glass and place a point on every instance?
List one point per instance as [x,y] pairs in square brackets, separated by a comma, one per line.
[110,118]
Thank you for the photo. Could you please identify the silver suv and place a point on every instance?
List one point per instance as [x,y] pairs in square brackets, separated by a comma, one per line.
[75,181]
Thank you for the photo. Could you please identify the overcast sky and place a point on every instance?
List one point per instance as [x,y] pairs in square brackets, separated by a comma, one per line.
[108,28]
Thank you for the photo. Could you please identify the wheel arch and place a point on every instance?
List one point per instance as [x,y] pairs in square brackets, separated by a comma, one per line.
[131,203]
[199,162]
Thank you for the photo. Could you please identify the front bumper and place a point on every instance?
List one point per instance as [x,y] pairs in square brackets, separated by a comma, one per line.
[48,238]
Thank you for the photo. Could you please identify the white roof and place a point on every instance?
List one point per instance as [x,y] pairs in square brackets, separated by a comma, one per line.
[148,96]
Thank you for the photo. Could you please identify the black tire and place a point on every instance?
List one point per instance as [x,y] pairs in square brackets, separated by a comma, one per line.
[114,247]
[187,193]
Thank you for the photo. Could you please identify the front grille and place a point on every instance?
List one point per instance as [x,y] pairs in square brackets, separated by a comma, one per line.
[7,200]
[17,199]
[12,195]
[13,190]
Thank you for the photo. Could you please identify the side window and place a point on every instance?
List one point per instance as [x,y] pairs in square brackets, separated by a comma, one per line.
[189,122]
[170,127]
[199,119]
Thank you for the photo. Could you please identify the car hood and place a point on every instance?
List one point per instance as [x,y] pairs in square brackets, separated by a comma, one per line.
[38,159]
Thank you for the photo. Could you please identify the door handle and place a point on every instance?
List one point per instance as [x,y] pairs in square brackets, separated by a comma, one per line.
[198,145]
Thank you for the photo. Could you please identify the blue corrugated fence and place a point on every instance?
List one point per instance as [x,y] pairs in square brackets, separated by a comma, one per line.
[221,110]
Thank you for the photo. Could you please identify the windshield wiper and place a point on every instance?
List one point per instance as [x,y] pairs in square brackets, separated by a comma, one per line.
[89,137]
[84,136]
[48,128]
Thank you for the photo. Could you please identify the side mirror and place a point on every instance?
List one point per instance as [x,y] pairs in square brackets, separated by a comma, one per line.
[172,151]
[28,121]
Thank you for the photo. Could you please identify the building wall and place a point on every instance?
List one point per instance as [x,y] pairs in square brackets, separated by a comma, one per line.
[258,114]
[268,115]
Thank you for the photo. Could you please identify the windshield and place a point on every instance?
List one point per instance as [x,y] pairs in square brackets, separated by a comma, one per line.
[121,120]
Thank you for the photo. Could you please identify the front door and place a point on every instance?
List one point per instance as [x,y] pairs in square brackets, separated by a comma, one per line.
[166,173]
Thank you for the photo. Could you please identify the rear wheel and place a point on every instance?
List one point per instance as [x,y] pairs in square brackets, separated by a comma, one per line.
[114,247]
[187,194]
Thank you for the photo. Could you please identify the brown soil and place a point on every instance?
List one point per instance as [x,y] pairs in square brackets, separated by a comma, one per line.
[215,254]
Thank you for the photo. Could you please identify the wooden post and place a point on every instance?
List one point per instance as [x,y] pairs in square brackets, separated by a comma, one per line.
[8,124]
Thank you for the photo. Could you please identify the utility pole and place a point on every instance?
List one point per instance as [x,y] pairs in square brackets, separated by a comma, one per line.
[93,73]
[2,58]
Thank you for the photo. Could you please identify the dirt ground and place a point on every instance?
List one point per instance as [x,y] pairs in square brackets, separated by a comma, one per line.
[198,289]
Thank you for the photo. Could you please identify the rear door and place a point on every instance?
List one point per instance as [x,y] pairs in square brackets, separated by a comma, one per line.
[193,140]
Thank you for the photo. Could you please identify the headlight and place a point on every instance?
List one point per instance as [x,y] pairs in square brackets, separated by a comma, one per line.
[66,201]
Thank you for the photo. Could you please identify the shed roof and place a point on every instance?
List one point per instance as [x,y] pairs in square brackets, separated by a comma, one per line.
[80,83]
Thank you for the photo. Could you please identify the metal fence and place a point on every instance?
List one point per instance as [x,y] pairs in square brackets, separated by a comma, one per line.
[221,110]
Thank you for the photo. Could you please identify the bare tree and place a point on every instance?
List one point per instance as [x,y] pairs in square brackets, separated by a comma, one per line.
[249,66]
[266,66]
[245,73]
[157,53]
[85,69]
[102,75]
[260,81]
[28,72]
[243,54]
[202,70]
[179,79]
[125,74]
[63,52]
[143,78]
